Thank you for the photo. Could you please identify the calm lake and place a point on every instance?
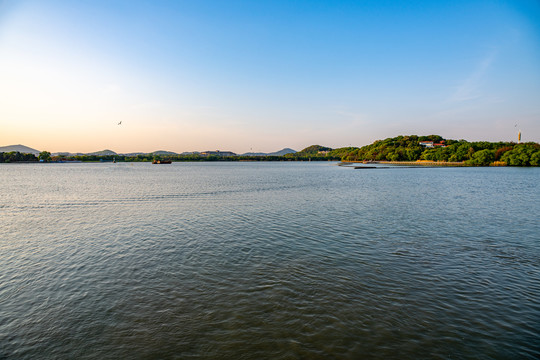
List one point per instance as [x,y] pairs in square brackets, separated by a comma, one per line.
[268,260]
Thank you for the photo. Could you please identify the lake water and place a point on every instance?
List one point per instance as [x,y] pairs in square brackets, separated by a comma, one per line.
[268,260]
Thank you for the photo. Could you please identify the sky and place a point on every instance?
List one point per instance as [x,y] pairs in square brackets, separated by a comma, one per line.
[264,75]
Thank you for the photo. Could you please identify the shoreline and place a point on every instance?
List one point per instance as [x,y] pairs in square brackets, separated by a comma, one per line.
[409,163]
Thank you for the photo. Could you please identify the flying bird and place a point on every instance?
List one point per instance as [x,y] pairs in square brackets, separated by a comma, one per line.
[120,123]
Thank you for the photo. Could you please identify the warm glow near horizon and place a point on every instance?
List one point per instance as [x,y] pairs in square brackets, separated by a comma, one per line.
[264,76]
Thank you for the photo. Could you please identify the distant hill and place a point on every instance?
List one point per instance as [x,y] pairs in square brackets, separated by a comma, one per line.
[314,149]
[20,148]
[103,153]
[282,152]
[163,152]
[276,153]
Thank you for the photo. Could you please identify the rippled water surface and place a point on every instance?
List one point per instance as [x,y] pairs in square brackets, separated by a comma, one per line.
[268,260]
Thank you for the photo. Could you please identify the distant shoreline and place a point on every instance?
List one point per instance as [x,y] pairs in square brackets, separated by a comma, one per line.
[351,164]
[412,163]
[409,150]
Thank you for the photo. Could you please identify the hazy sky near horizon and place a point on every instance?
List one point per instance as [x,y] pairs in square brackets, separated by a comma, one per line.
[264,75]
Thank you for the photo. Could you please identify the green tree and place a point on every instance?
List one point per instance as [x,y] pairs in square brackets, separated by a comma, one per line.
[500,151]
[413,154]
[535,159]
[482,158]
[44,156]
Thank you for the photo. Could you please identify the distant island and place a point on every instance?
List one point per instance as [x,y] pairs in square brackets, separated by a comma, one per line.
[401,149]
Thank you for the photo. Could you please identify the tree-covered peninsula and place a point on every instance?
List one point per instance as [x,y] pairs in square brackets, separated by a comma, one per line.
[436,148]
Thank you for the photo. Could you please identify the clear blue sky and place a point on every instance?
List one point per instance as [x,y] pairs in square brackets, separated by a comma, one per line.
[263,75]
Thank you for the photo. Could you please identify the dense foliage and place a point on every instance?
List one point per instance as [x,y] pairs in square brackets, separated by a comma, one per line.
[314,150]
[408,148]
[15,156]
[523,155]
[44,156]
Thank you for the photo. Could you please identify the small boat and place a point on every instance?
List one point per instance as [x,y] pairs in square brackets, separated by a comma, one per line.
[161,162]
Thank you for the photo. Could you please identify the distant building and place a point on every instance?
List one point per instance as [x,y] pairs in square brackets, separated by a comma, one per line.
[218,153]
[431,144]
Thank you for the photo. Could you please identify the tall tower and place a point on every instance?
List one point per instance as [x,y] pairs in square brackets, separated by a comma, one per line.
[519,136]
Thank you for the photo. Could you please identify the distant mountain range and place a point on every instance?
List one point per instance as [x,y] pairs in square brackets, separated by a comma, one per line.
[28,150]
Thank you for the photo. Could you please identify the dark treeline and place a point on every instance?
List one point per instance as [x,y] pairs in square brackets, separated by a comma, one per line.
[196,157]
[400,148]
[15,156]
[18,157]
